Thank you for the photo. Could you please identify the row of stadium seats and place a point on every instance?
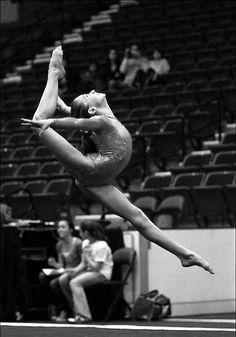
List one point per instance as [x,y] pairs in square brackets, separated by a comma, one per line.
[207,197]
[211,202]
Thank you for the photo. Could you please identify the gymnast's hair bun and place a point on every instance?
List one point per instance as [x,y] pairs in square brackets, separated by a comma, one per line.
[79,108]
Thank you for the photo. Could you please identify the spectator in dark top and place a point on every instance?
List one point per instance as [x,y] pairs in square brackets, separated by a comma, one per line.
[92,78]
[6,216]
[112,70]
[158,66]
[134,67]
[69,255]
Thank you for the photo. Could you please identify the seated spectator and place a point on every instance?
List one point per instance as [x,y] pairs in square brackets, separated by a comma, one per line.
[6,216]
[112,70]
[91,79]
[14,284]
[95,267]
[69,255]
[158,67]
[134,67]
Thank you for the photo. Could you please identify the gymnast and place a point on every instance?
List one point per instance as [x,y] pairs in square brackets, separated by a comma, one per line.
[95,172]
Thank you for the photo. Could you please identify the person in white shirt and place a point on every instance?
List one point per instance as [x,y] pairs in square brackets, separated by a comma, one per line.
[158,67]
[95,267]
[134,67]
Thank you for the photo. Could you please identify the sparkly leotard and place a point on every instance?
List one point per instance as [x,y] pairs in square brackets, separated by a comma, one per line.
[114,146]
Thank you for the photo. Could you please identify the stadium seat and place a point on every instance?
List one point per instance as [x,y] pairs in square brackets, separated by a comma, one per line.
[229,104]
[132,127]
[10,187]
[152,90]
[169,212]
[157,180]
[27,170]
[188,179]
[173,125]
[8,171]
[197,85]
[164,146]
[137,193]
[5,154]
[207,63]
[129,92]
[141,101]
[17,138]
[147,204]
[134,171]
[121,113]
[186,108]
[163,99]
[42,153]
[228,157]
[22,153]
[188,215]
[141,113]
[186,97]
[209,200]
[230,199]
[163,110]
[32,139]
[36,186]
[194,161]
[50,169]
[200,126]
[220,82]
[149,128]
[60,186]
[174,87]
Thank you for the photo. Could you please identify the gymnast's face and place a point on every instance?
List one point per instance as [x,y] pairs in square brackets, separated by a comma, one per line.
[94,98]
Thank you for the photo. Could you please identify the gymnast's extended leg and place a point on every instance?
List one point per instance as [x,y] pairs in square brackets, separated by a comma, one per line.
[71,158]
[115,200]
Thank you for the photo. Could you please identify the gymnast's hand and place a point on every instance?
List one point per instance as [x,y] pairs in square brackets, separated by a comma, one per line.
[43,124]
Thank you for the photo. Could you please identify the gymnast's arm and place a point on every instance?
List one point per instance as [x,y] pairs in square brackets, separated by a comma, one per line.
[84,124]
[61,105]
[91,124]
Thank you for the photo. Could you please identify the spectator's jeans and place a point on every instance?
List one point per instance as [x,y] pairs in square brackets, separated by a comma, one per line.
[77,284]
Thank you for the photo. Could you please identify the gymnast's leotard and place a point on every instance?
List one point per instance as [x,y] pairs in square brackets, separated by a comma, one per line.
[114,149]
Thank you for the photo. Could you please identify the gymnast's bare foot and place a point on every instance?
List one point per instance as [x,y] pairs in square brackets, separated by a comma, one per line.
[56,62]
[192,259]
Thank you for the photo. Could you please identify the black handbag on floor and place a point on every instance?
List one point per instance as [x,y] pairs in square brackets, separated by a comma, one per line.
[151,306]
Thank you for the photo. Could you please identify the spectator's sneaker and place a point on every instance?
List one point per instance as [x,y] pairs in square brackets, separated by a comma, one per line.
[52,312]
[79,319]
[62,317]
